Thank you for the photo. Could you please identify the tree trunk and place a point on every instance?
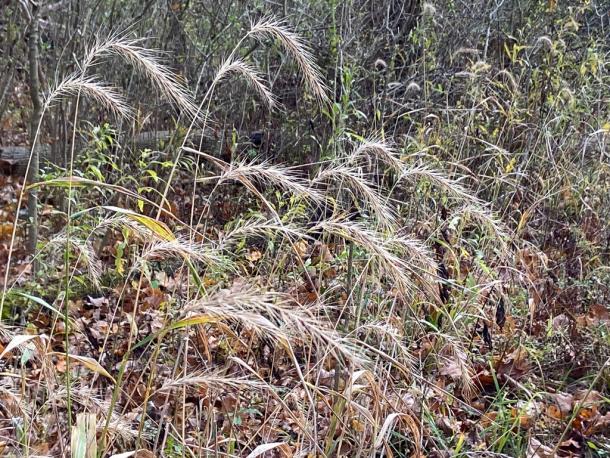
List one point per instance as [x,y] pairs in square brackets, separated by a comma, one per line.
[33,56]
[4,91]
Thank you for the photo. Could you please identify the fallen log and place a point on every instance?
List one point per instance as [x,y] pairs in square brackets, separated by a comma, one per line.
[14,159]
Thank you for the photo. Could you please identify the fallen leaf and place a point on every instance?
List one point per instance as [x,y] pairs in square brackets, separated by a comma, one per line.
[561,323]
[599,313]
[89,363]
[254,255]
[301,247]
[535,449]
[451,369]
[564,402]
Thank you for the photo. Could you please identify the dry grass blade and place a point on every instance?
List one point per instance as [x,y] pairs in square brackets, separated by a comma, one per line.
[294,46]
[83,443]
[105,95]
[88,362]
[388,424]
[20,341]
[264,448]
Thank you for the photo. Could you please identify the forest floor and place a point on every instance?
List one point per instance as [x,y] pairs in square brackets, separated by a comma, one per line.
[535,386]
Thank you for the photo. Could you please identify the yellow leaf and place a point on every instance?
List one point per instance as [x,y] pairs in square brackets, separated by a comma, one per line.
[157,227]
[523,220]
[511,165]
[357,425]
[65,182]
[191,321]
[89,363]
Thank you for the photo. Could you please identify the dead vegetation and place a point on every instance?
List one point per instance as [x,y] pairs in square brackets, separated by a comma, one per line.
[402,295]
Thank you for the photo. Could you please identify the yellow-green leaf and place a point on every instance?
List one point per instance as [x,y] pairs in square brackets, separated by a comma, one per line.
[157,227]
[192,321]
[65,182]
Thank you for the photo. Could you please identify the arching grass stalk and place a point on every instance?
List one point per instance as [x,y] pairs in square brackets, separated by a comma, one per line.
[292,43]
[67,267]
[66,263]
[74,84]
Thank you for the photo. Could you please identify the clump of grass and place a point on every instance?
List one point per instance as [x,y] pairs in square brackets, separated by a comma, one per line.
[340,329]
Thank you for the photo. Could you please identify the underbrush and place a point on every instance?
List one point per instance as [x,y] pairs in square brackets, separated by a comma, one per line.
[369,304]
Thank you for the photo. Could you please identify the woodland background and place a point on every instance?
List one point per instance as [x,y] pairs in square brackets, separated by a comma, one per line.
[373,228]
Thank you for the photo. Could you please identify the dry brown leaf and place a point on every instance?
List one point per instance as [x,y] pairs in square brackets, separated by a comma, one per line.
[564,402]
[452,369]
[535,449]
[301,247]
[254,255]
[554,412]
